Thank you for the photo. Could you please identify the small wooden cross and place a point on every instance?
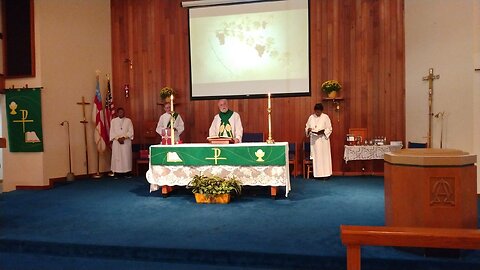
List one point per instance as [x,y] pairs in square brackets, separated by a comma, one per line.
[84,104]
[84,122]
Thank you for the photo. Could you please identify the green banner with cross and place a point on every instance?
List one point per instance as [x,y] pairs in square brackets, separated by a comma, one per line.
[211,155]
[24,120]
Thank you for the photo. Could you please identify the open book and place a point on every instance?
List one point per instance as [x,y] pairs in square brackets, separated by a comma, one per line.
[317,132]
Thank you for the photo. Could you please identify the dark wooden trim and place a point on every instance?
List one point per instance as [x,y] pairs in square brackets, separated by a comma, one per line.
[18,30]
[353,237]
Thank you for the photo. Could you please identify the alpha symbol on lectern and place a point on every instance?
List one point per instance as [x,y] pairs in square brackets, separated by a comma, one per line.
[442,191]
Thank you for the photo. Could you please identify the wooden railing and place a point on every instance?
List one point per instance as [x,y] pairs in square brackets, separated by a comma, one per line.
[353,237]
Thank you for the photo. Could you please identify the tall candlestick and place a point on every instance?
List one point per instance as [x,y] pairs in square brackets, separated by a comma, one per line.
[172,132]
[269,110]
[269,125]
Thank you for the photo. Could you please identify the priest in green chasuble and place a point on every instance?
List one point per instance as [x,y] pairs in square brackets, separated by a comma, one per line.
[226,123]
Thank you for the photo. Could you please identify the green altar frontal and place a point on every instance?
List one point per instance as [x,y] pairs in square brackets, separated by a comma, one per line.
[212,154]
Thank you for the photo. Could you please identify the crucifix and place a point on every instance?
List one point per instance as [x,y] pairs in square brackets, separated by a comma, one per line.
[430,79]
[84,122]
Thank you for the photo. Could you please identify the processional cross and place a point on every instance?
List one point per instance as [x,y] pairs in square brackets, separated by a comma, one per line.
[430,79]
[84,122]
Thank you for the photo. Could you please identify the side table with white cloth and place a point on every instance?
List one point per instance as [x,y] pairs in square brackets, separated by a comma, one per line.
[368,153]
[254,164]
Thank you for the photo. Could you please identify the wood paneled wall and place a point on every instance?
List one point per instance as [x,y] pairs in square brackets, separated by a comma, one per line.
[358,42]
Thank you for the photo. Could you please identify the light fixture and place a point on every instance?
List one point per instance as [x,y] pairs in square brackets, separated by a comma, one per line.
[70,176]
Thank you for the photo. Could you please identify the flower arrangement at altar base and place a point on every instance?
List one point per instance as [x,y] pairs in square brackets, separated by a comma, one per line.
[331,86]
[214,189]
[166,92]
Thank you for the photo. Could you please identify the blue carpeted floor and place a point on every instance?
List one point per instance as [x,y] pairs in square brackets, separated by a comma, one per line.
[118,224]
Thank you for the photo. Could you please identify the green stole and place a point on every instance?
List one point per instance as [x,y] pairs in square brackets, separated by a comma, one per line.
[225,126]
[174,118]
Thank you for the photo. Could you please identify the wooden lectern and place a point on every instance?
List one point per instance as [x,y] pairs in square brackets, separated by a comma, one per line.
[220,140]
[430,188]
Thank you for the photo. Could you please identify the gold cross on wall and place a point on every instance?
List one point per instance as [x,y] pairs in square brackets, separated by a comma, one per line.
[430,79]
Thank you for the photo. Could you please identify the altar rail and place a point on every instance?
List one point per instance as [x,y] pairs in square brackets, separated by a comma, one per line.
[353,237]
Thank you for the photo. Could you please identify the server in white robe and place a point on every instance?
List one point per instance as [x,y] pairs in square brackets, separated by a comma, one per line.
[163,126]
[121,135]
[319,128]
[226,123]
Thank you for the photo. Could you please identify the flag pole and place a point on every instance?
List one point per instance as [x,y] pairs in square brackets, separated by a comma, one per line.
[98,174]
[98,111]
[109,109]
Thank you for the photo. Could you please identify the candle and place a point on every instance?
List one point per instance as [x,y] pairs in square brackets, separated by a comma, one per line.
[269,101]
[172,132]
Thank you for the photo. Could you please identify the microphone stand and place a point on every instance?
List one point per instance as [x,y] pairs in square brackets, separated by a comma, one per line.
[70,176]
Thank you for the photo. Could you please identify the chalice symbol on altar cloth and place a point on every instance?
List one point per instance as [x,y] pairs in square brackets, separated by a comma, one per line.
[13,106]
[259,154]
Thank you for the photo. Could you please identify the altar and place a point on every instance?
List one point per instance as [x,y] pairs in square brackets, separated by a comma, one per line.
[253,164]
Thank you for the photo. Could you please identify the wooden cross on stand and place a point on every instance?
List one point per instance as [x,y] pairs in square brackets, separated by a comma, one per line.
[84,122]
[430,79]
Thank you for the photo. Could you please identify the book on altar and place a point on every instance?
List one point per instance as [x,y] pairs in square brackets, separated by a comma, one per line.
[220,140]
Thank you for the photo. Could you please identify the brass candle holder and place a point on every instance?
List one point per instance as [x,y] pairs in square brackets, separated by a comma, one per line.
[172,131]
[269,110]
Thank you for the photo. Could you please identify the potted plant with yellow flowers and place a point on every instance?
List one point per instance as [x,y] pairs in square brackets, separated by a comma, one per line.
[214,189]
[166,92]
[331,88]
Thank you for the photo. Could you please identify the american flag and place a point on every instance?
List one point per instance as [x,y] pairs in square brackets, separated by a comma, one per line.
[109,108]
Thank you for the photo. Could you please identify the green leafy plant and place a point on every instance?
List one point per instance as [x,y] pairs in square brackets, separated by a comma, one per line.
[214,185]
[166,92]
[330,86]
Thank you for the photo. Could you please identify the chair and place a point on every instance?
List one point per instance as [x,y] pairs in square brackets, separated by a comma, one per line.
[141,151]
[307,162]
[417,145]
[359,132]
[253,137]
[292,157]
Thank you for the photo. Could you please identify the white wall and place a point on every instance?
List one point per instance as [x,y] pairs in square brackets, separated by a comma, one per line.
[72,41]
[440,34]
[476,85]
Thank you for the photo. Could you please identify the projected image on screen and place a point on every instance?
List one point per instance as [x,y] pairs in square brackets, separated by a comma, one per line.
[249,49]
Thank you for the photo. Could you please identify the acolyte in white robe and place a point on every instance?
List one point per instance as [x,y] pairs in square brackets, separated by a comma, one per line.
[320,144]
[235,123]
[121,153]
[177,124]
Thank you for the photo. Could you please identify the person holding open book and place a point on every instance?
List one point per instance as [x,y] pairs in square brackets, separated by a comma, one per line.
[226,124]
[319,128]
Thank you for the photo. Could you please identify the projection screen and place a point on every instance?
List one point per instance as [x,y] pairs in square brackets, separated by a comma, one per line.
[249,50]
